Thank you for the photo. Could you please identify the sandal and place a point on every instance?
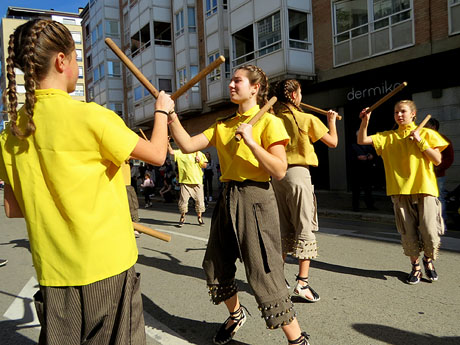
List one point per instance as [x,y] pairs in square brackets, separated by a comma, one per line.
[300,290]
[415,275]
[181,221]
[302,340]
[200,221]
[224,334]
[430,273]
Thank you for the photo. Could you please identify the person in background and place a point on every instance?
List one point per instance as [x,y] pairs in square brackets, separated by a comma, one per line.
[147,187]
[440,170]
[208,177]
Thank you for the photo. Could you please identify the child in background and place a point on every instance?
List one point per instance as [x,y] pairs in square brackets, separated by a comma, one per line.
[295,193]
[60,160]
[409,157]
[147,189]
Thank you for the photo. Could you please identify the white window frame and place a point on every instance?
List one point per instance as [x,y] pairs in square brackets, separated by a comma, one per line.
[367,30]
[453,4]
[179,23]
[191,19]
[76,37]
[270,46]
[181,77]
[215,74]
[211,7]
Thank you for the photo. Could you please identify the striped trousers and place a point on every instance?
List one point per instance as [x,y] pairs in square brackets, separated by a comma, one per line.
[107,312]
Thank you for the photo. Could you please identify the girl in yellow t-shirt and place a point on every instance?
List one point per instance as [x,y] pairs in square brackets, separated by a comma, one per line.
[60,159]
[295,193]
[243,224]
[408,156]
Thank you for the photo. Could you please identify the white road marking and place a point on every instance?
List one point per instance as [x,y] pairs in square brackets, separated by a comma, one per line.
[184,235]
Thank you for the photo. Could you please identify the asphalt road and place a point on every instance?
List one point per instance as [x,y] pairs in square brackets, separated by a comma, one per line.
[359,275]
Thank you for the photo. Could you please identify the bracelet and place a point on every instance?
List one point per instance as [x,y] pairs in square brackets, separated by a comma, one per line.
[423,145]
[161,111]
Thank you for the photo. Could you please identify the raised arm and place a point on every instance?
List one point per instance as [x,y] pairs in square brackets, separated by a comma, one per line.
[363,138]
[154,151]
[331,139]
[186,143]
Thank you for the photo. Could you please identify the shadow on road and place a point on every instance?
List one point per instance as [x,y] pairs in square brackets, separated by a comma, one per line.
[394,336]
[175,266]
[19,243]
[194,331]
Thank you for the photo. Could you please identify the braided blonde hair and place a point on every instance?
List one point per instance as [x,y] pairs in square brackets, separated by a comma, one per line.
[30,49]
[283,91]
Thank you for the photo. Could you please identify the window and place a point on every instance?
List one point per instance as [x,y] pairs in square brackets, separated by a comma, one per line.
[68,21]
[79,54]
[146,91]
[20,88]
[227,63]
[89,62]
[179,22]
[193,73]
[269,34]
[215,74]
[454,17]
[298,30]
[113,68]
[111,28]
[140,40]
[116,107]
[365,28]
[98,72]
[137,93]
[181,77]
[165,85]
[211,7]
[191,19]
[243,45]
[80,72]
[76,37]
[79,90]
[162,33]
[91,93]
[96,33]
[17,71]
[224,4]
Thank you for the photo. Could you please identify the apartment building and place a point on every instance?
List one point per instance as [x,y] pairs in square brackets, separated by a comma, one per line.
[346,54]
[364,49]
[16,16]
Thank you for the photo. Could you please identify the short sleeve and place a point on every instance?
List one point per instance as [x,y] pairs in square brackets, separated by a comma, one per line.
[378,142]
[210,134]
[317,129]
[117,141]
[5,158]
[275,132]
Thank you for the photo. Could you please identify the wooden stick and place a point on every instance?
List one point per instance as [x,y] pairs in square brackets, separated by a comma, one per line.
[318,110]
[421,125]
[134,70]
[387,96]
[143,134]
[259,114]
[154,233]
[203,73]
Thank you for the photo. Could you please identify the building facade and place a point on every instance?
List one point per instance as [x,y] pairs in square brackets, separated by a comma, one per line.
[346,54]
[16,16]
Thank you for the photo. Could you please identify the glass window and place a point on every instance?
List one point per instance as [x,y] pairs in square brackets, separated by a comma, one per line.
[181,77]
[243,45]
[215,74]
[114,68]
[111,28]
[194,72]
[79,54]
[76,37]
[165,84]
[101,70]
[17,71]
[211,7]
[191,19]
[146,91]
[145,36]
[137,93]
[89,62]
[179,22]
[79,90]
[20,88]
[117,108]
[269,34]
[454,17]
[99,31]
[80,72]
[298,30]
[162,33]
[227,63]
[224,4]
[96,74]
[351,18]
[93,36]
[91,92]
[68,21]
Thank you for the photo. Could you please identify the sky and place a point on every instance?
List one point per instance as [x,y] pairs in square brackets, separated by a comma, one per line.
[57,5]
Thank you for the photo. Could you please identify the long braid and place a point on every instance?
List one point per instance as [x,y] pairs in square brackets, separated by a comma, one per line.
[10,98]
[283,91]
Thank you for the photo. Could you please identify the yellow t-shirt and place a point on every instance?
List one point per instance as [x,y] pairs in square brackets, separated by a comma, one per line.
[190,171]
[126,171]
[300,150]
[237,161]
[407,170]
[68,184]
